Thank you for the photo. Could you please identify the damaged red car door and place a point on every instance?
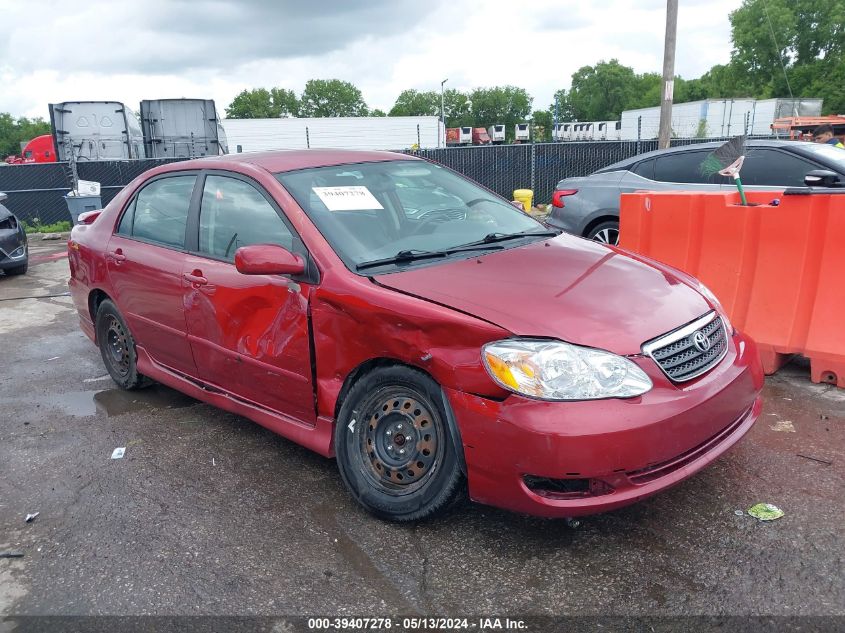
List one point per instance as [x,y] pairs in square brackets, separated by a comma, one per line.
[248,333]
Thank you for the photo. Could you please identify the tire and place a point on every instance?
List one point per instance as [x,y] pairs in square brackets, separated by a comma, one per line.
[117,347]
[18,270]
[605,233]
[394,449]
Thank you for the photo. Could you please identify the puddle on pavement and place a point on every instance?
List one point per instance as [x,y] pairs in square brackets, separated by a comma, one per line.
[111,402]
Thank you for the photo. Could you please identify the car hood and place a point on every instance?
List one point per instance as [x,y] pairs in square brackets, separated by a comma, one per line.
[566,288]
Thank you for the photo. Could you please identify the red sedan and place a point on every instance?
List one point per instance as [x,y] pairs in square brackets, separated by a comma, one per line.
[437,341]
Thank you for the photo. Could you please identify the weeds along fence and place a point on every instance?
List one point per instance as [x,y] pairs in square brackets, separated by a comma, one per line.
[36,191]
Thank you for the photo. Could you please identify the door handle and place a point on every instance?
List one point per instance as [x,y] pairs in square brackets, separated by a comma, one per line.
[117,256]
[195,278]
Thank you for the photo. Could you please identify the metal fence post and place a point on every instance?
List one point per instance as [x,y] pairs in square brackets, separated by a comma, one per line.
[639,134]
[533,165]
[307,138]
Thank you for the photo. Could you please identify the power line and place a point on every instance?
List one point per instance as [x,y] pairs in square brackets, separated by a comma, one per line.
[777,48]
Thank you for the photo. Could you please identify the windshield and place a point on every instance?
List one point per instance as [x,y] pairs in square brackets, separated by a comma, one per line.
[828,153]
[374,211]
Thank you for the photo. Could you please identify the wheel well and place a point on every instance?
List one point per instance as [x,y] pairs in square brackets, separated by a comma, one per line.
[599,220]
[361,370]
[95,298]
[369,365]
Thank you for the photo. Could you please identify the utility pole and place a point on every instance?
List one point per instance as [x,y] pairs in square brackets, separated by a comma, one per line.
[668,74]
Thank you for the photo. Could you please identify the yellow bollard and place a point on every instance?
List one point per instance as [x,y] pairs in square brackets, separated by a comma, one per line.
[525,196]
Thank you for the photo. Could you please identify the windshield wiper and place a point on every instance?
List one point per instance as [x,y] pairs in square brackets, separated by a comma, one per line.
[492,238]
[411,255]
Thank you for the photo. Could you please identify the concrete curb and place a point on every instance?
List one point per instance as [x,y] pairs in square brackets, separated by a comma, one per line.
[41,237]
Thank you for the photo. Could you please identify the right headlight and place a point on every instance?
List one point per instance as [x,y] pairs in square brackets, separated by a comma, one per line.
[554,370]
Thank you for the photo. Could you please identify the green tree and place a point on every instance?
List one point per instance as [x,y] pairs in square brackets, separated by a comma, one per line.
[415,103]
[284,102]
[542,122]
[330,98]
[804,37]
[565,111]
[13,132]
[378,112]
[603,91]
[500,104]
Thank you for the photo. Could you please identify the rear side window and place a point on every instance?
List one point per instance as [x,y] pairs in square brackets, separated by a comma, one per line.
[644,169]
[235,214]
[681,167]
[161,211]
[773,168]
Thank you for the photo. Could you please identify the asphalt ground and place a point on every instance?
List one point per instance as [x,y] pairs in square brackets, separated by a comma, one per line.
[210,514]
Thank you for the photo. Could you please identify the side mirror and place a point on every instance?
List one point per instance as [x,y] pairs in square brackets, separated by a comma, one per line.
[822,178]
[268,259]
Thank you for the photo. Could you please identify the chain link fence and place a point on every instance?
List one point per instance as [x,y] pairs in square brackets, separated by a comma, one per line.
[36,191]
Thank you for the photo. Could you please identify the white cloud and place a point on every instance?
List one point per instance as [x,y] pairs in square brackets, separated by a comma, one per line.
[129,51]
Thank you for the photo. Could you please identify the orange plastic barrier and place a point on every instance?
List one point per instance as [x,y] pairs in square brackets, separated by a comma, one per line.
[778,270]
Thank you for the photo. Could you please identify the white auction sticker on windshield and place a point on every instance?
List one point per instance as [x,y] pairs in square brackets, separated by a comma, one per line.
[347,198]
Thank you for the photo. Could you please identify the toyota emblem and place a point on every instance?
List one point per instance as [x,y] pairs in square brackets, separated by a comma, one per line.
[701,341]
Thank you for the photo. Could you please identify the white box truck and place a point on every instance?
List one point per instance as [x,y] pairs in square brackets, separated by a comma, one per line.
[522,132]
[497,134]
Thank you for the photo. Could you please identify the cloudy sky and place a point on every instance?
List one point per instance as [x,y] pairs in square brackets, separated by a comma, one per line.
[148,49]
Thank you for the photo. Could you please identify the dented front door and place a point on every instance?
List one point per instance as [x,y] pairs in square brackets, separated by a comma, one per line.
[248,333]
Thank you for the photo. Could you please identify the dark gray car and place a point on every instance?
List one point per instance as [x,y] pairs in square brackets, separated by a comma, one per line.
[591,203]
[14,253]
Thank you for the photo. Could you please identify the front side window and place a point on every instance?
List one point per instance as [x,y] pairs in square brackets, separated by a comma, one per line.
[371,211]
[774,168]
[161,211]
[235,214]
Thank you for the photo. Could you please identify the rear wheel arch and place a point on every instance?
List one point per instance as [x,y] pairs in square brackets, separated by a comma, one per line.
[95,298]
[606,215]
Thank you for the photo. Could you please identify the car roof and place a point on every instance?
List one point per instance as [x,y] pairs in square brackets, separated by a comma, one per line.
[292,159]
[710,146]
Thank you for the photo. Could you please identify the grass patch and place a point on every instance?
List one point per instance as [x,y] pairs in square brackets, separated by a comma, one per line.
[37,227]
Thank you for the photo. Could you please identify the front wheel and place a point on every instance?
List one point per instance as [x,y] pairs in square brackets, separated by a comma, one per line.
[605,233]
[117,347]
[394,449]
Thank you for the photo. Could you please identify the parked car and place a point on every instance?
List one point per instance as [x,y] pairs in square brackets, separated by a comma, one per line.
[589,206]
[14,251]
[434,356]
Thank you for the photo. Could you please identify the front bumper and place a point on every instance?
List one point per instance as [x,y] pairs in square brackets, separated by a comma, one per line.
[522,454]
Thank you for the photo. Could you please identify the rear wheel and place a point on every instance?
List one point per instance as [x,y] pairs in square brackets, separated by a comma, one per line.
[117,347]
[394,449]
[606,233]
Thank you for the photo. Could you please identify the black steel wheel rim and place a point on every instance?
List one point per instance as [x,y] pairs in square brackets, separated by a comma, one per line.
[400,441]
[117,347]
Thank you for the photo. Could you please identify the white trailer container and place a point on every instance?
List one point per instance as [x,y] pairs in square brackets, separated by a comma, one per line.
[522,132]
[182,128]
[765,112]
[607,130]
[709,118]
[96,130]
[374,133]
[717,117]
[497,133]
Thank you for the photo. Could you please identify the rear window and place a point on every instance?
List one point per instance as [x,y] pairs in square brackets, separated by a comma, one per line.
[160,211]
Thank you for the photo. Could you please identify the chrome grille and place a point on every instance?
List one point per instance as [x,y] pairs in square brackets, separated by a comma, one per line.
[678,355]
